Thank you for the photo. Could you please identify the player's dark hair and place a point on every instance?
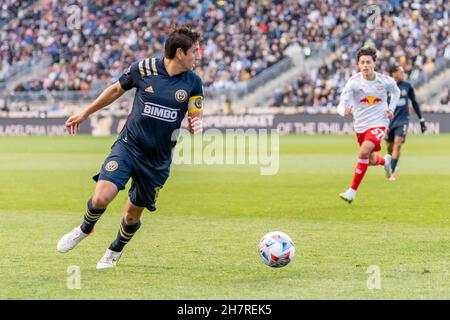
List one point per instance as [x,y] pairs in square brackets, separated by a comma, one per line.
[180,37]
[393,69]
[367,52]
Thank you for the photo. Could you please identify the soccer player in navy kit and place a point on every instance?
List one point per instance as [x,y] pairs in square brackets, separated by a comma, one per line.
[398,127]
[166,89]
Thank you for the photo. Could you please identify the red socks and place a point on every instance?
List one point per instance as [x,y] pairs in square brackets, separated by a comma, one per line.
[360,171]
[379,161]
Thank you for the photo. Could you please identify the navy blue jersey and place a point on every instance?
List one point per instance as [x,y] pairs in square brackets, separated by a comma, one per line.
[401,114]
[159,106]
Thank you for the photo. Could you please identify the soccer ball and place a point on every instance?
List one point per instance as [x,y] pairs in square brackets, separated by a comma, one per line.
[276,249]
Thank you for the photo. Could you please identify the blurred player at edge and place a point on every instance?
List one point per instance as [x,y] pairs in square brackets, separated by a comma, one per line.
[365,96]
[166,89]
[398,127]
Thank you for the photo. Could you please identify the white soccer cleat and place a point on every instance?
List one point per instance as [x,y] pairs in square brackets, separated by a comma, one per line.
[70,240]
[109,259]
[348,195]
[387,165]
[394,175]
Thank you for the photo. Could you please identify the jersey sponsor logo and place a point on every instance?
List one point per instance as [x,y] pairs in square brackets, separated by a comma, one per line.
[404,93]
[149,89]
[157,111]
[370,100]
[181,95]
[111,166]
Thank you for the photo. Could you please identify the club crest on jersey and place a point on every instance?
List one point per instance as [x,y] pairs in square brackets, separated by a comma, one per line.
[181,95]
[404,93]
[111,166]
[160,112]
[370,100]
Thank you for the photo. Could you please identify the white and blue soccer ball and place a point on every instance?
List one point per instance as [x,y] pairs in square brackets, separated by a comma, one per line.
[276,249]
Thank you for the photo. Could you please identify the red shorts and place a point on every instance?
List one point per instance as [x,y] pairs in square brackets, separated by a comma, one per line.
[374,135]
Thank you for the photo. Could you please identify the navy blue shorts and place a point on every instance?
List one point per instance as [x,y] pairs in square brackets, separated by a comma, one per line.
[399,131]
[121,165]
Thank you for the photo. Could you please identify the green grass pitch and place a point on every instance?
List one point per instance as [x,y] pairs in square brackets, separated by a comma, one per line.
[201,243]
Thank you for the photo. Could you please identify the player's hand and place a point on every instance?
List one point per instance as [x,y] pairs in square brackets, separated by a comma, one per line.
[347,111]
[390,114]
[195,125]
[423,126]
[73,123]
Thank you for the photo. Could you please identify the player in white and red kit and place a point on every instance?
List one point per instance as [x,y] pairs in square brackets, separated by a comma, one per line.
[365,96]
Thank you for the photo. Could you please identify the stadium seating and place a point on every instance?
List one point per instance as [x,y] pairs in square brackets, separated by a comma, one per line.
[240,40]
[406,35]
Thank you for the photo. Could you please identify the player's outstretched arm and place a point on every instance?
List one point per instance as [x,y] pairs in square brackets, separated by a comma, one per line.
[395,94]
[195,111]
[343,110]
[195,123]
[108,96]
[415,104]
[392,87]
[345,102]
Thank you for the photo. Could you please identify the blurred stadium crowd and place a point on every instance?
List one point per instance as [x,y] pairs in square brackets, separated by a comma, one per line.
[240,40]
[413,35]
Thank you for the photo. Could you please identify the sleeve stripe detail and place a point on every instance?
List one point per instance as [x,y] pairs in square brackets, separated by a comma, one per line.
[147,67]
[141,68]
[155,72]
